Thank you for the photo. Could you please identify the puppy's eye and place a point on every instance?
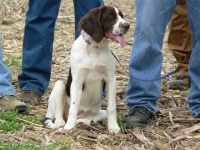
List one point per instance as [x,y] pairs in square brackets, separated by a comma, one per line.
[111,17]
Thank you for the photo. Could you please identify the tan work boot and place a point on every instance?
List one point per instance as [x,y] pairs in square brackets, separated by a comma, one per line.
[30,97]
[9,103]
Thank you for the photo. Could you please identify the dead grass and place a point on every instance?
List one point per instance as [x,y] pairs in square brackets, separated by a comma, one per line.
[173,128]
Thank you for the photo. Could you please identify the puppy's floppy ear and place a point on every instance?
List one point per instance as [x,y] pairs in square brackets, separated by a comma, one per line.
[91,24]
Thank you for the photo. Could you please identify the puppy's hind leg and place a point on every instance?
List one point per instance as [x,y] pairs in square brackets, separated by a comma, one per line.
[56,106]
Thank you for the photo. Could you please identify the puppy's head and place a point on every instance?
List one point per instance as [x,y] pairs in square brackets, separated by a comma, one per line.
[105,21]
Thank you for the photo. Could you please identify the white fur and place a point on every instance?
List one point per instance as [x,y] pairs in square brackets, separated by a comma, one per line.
[120,20]
[90,66]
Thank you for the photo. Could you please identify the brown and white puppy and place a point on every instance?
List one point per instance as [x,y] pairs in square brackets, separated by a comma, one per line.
[92,67]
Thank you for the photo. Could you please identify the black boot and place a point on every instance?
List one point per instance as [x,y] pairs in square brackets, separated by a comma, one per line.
[137,117]
[180,83]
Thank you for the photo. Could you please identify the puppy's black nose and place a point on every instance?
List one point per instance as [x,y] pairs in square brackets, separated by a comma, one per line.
[125,26]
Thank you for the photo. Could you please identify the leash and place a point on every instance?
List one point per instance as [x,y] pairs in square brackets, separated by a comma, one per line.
[160,78]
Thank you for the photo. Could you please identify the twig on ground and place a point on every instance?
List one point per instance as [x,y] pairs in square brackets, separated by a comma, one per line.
[159,145]
[85,138]
[29,122]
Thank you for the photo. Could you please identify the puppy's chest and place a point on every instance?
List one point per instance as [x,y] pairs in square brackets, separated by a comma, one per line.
[97,66]
[98,62]
[96,73]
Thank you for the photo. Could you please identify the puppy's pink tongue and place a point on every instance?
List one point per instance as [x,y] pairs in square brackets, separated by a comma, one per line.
[118,38]
[121,40]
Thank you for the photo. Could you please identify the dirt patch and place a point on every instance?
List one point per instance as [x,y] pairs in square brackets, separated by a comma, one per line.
[173,128]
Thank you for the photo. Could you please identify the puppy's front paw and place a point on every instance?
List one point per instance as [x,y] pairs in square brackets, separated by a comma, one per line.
[69,125]
[59,122]
[113,129]
[49,124]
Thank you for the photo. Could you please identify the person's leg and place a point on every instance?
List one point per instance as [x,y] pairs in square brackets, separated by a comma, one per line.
[180,43]
[81,8]
[38,44]
[146,59]
[8,100]
[6,87]
[194,71]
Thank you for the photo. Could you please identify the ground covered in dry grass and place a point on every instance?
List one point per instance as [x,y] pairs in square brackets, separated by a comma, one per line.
[173,128]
